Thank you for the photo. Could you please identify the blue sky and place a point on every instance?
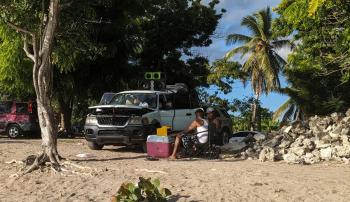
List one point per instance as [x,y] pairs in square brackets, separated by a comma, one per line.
[230,23]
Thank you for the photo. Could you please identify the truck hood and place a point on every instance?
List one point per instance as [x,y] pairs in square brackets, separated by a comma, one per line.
[115,106]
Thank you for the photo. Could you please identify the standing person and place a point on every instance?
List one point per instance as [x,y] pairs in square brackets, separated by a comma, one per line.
[214,124]
[200,125]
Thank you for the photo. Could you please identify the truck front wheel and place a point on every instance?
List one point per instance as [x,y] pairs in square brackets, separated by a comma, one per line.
[95,146]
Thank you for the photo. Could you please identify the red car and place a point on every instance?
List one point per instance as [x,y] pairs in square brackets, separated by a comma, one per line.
[18,118]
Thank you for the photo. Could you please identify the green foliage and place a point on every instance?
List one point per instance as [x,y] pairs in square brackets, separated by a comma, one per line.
[318,69]
[170,29]
[243,113]
[223,73]
[144,190]
[15,69]
[101,44]
[314,5]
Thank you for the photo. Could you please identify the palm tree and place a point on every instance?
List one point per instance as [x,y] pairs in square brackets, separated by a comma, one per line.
[288,112]
[263,64]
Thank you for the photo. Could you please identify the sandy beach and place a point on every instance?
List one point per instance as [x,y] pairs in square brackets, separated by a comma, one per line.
[189,179]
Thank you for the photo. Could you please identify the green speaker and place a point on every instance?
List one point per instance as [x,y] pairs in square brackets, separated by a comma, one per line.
[149,75]
[153,75]
[157,75]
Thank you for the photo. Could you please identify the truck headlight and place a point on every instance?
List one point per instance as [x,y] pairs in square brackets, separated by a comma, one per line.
[91,120]
[135,120]
[138,120]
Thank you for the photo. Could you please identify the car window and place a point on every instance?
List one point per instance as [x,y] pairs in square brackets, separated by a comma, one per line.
[162,102]
[21,108]
[194,101]
[5,107]
[147,100]
[182,101]
[169,101]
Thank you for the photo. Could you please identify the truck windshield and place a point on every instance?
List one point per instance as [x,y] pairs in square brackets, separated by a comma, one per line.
[147,100]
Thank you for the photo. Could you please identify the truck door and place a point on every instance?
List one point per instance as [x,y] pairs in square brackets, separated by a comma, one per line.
[184,114]
[176,111]
[166,109]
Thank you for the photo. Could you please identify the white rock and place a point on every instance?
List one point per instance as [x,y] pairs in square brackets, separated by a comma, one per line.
[287,129]
[345,131]
[345,160]
[326,153]
[259,137]
[310,158]
[299,151]
[345,140]
[348,113]
[342,151]
[292,158]
[267,154]
[320,144]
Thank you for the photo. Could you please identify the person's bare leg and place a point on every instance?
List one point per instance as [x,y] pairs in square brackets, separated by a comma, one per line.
[176,146]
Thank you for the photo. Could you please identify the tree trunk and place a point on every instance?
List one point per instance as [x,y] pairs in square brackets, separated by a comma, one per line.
[66,107]
[40,52]
[258,116]
[255,104]
[42,79]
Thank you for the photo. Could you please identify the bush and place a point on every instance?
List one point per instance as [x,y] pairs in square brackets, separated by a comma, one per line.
[144,190]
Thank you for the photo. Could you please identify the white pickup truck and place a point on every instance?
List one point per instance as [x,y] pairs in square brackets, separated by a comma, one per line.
[128,117]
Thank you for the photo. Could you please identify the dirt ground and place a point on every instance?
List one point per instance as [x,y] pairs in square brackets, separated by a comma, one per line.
[189,180]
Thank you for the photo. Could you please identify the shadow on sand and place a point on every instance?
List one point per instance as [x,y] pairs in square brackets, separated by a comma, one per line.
[177,197]
[109,159]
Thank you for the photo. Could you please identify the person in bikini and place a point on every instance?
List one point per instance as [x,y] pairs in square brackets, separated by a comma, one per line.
[200,126]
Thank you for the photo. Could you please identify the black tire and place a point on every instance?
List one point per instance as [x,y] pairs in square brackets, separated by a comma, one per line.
[71,135]
[144,147]
[225,137]
[14,131]
[95,146]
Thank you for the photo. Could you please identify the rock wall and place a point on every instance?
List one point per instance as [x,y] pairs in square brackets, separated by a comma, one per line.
[317,139]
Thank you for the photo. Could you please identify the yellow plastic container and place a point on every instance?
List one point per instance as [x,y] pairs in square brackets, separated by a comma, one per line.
[163,131]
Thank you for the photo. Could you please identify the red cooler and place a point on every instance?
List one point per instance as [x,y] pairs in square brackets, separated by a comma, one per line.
[159,146]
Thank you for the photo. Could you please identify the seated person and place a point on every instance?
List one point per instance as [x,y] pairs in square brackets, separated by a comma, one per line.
[129,100]
[200,125]
[214,123]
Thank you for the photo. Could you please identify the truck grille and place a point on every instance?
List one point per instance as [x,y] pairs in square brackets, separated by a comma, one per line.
[115,121]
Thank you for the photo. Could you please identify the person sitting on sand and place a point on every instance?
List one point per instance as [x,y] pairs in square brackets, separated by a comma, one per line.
[214,125]
[201,135]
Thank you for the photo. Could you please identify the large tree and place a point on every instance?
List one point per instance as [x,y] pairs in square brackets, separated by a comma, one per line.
[263,64]
[37,23]
[318,69]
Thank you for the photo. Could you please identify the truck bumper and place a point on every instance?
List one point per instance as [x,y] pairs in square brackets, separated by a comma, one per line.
[117,136]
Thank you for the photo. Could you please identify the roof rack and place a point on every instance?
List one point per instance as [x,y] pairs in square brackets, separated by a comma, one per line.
[177,88]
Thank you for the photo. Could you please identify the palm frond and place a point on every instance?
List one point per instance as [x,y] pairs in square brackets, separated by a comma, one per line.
[264,19]
[282,43]
[251,23]
[278,113]
[233,38]
[279,59]
[242,49]
[289,114]
[250,64]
